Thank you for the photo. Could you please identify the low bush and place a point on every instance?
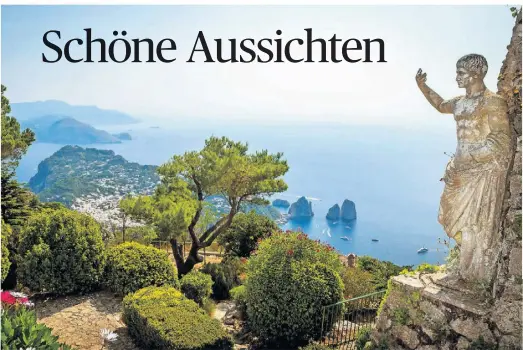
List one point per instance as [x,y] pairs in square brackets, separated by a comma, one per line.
[162,318]
[357,282]
[131,266]
[246,230]
[238,295]
[225,276]
[196,286]
[21,331]
[289,281]
[380,270]
[61,251]
[362,337]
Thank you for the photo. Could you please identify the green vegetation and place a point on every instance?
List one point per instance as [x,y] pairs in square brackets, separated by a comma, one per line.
[400,315]
[61,251]
[21,331]
[223,167]
[162,318]
[6,263]
[131,266]
[289,280]
[357,282]
[242,237]
[225,276]
[14,141]
[196,286]
[362,337]
[381,270]
[238,294]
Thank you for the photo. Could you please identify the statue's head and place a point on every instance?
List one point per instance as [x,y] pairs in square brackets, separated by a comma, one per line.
[471,69]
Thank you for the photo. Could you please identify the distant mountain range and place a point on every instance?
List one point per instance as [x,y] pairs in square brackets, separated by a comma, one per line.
[25,111]
[66,130]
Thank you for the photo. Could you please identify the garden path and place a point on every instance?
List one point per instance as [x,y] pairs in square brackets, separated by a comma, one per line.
[78,319]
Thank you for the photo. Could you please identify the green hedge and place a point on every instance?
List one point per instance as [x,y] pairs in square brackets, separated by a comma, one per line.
[61,251]
[196,286]
[21,331]
[225,276]
[289,281]
[131,266]
[162,318]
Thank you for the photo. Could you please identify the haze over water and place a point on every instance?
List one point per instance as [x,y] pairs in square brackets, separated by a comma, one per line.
[391,173]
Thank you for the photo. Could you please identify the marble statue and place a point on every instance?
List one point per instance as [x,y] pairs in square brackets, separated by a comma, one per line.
[475,177]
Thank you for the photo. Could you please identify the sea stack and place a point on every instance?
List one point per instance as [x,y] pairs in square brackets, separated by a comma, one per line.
[334,213]
[301,209]
[348,210]
[281,203]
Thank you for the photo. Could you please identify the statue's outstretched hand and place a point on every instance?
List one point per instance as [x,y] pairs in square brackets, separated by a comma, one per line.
[421,77]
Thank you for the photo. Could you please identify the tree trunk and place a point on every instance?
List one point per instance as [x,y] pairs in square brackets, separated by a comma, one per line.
[178,256]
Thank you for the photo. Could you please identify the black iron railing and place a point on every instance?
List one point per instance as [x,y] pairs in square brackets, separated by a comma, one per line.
[347,324]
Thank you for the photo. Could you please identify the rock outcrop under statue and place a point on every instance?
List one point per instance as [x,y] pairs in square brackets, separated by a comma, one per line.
[281,203]
[334,212]
[348,210]
[301,209]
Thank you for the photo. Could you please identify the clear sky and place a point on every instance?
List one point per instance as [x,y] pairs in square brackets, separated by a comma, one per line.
[430,37]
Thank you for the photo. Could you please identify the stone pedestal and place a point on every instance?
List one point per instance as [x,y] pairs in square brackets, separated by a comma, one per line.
[433,311]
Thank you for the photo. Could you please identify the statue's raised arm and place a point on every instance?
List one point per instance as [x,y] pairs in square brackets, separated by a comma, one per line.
[435,100]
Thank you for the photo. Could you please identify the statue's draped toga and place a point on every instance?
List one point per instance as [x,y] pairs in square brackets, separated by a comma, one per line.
[475,178]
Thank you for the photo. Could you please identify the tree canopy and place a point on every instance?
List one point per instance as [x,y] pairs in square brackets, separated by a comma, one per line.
[222,168]
[14,141]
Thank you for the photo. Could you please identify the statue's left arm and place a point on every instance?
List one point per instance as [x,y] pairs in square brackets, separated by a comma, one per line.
[497,143]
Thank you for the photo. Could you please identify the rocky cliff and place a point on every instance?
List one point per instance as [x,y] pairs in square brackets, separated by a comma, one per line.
[301,209]
[348,210]
[334,213]
[282,203]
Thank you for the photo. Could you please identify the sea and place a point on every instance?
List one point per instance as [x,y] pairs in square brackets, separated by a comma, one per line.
[391,173]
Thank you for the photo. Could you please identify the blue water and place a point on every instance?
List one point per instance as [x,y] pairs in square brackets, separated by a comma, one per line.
[392,174]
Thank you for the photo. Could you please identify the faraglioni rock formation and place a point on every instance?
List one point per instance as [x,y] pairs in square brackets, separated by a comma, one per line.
[334,213]
[301,209]
[348,210]
[281,203]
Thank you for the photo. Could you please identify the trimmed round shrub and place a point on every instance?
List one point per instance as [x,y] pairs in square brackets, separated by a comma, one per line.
[196,286]
[131,266]
[21,331]
[246,230]
[162,318]
[289,281]
[61,251]
[225,275]
[6,263]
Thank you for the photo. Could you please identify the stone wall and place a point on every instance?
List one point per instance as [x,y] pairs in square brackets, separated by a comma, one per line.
[422,312]
[418,313]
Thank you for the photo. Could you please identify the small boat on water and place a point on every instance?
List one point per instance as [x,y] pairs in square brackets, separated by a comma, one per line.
[345,238]
[347,227]
[335,222]
[375,240]
[422,250]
